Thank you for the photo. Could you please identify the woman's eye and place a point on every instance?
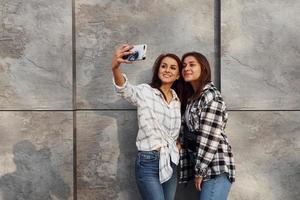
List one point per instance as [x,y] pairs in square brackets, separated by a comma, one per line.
[173,68]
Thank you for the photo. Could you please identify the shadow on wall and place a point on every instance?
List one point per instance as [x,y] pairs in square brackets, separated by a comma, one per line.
[34,178]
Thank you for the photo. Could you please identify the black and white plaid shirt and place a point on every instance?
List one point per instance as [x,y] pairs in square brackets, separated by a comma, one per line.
[205,149]
[158,121]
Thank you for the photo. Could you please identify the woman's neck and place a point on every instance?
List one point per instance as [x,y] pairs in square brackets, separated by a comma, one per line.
[195,86]
[165,88]
[167,93]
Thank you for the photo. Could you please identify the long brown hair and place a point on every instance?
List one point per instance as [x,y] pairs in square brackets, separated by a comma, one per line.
[156,82]
[205,76]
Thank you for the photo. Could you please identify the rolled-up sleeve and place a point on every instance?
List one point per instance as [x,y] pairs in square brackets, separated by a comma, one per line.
[133,94]
[211,120]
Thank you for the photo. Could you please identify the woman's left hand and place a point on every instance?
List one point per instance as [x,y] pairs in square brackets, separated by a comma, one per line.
[198,181]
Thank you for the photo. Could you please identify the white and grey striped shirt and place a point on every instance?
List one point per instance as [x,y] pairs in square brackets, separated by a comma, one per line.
[159,123]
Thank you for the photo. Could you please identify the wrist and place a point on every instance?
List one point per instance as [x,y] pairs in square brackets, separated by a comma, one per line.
[200,172]
[115,67]
[198,176]
[115,64]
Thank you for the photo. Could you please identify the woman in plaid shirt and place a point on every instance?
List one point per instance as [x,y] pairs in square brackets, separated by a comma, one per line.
[206,156]
[159,120]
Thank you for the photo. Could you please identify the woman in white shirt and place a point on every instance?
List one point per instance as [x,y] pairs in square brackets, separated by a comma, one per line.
[159,120]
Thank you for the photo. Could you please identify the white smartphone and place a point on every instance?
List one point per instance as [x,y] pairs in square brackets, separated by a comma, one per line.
[139,53]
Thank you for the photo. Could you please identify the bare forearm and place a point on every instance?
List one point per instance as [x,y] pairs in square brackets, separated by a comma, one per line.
[117,60]
[118,77]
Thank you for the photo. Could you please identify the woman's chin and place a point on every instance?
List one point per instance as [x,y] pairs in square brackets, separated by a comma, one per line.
[167,81]
[187,80]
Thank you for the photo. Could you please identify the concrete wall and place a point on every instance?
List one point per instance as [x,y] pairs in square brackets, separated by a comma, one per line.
[36,55]
[260,54]
[36,126]
[46,108]
[260,72]
[36,155]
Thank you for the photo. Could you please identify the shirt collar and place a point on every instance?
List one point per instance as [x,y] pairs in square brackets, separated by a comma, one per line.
[208,85]
[175,97]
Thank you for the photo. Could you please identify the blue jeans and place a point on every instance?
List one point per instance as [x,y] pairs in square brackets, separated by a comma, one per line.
[215,189]
[147,177]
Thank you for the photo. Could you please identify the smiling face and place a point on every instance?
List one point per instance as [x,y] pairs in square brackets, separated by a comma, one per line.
[191,71]
[168,71]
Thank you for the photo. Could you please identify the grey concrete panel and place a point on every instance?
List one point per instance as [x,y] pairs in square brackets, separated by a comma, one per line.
[106,154]
[35,54]
[36,155]
[260,54]
[266,147]
[165,26]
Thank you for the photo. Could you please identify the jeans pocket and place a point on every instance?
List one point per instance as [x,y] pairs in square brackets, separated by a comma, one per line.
[148,158]
[147,165]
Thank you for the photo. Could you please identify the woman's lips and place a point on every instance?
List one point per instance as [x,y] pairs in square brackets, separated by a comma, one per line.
[187,74]
[166,76]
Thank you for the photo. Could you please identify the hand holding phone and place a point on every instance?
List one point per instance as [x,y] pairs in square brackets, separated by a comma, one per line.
[139,53]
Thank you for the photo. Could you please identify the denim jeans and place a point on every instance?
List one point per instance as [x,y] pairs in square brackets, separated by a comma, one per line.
[215,189]
[147,177]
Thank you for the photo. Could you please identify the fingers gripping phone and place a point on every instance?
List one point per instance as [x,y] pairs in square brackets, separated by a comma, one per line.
[139,53]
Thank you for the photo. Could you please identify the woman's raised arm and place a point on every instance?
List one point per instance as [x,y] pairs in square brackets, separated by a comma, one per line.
[117,60]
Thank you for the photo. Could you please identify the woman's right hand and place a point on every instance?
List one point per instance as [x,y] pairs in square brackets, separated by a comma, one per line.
[178,145]
[121,51]
[198,183]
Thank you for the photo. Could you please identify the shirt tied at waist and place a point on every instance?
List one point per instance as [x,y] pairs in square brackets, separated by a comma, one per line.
[168,153]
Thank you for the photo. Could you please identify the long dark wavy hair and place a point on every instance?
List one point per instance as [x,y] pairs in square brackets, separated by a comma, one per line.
[178,85]
[205,76]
